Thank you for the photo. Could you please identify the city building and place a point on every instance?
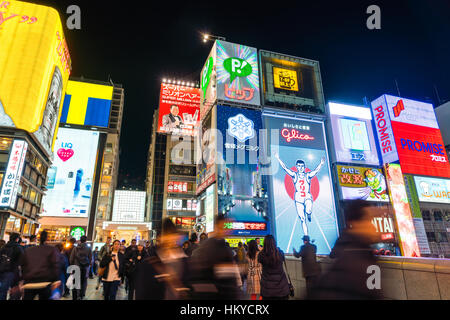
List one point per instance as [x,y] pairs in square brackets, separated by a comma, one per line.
[170,181]
[30,110]
[86,161]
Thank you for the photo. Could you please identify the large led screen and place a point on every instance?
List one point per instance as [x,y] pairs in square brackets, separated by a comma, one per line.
[179,109]
[34,67]
[301,189]
[237,73]
[242,195]
[353,137]
[129,206]
[71,177]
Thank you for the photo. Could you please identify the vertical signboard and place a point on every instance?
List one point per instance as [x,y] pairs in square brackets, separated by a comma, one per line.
[237,73]
[71,176]
[208,85]
[241,194]
[206,159]
[14,169]
[397,190]
[301,189]
[353,137]
[209,208]
[383,127]
[34,66]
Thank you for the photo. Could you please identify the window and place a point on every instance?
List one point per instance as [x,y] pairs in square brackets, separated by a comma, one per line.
[441,237]
[426,215]
[431,237]
[27,171]
[5,144]
[104,193]
[33,194]
[20,204]
[10,223]
[437,215]
[34,177]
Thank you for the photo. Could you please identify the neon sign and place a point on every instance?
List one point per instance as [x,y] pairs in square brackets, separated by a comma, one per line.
[294,134]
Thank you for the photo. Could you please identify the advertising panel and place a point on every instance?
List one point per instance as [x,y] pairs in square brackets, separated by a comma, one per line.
[14,169]
[237,73]
[362,183]
[181,204]
[291,82]
[179,187]
[87,104]
[242,196]
[353,134]
[433,189]
[302,192]
[209,208]
[405,225]
[35,66]
[72,174]
[179,109]
[206,167]
[383,127]
[129,206]
[208,83]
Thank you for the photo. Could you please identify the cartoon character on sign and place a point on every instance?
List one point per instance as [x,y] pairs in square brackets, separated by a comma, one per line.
[376,183]
[302,182]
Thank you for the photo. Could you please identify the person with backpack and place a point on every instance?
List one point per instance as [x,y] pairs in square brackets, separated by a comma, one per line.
[40,270]
[10,255]
[81,256]
[132,261]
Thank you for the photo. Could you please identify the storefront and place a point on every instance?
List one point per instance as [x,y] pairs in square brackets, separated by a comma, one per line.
[126,231]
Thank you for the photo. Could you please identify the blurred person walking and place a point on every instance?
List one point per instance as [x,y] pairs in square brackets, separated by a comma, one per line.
[129,251]
[241,260]
[81,256]
[164,275]
[113,263]
[310,267]
[10,255]
[33,241]
[203,237]
[40,270]
[131,264]
[95,261]
[215,275]
[2,243]
[192,244]
[68,248]
[63,264]
[347,278]
[254,271]
[106,249]
[274,283]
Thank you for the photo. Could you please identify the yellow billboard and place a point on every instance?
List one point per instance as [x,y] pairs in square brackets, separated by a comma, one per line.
[285,79]
[34,66]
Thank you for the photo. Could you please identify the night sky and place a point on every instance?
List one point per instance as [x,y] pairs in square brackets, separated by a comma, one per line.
[137,45]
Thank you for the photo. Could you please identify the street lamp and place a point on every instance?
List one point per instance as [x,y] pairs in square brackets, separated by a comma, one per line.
[208,37]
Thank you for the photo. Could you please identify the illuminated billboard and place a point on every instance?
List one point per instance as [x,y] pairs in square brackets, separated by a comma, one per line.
[237,73]
[208,85]
[206,166]
[11,178]
[35,66]
[129,206]
[242,195]
[179,109]
[362,183]
[71,177]
[291,82]
[301,189]
[87,104]
[405,225]
[209,211]
[408,132]
[353,137]
[432,189]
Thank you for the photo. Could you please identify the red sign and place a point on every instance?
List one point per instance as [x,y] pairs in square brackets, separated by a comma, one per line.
[179,109]
[177,186]
[421,150]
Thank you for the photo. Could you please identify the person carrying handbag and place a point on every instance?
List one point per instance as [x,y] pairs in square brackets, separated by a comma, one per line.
[113,264]
[254,271]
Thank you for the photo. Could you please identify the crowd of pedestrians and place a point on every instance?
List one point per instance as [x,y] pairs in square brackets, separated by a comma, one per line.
[201,268]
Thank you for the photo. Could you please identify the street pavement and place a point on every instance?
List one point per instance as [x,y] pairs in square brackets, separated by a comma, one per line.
[93,294]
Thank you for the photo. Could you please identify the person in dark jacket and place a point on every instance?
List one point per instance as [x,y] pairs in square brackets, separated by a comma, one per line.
[310,267]
[274,283]
[68,248]
[113,262]
[33,241]
[215,275]
[40,270]
[132,262]
[81,256]
[63,264]
[10,255]
[347,278]
[192,244]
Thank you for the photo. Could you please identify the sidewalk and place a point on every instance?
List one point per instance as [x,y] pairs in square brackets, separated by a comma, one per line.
[93,294]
